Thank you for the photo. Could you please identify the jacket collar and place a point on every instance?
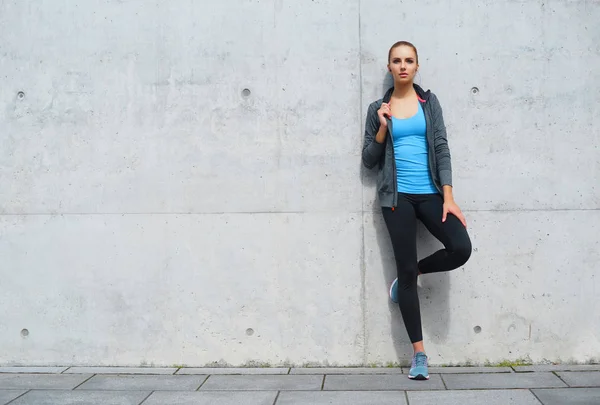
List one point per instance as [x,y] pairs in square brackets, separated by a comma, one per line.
[421,94]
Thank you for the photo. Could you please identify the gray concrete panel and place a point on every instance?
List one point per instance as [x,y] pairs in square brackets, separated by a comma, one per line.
[580,378]
[528,132]
[380,383]
[143,383]
[263,383]
[8,395]
[212,398]
[504,303]
[474,397]
[41,381]
[121,370]
[502,381]
[187,289]
[232,370]
[342,398]
[152,116]
[557,367]
[32,370]
[347,370]
[571,396]
[42,397]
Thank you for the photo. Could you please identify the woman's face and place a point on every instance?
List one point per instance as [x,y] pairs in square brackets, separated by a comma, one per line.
[403,64]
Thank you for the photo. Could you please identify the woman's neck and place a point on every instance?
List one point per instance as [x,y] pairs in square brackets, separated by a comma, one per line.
[403,90]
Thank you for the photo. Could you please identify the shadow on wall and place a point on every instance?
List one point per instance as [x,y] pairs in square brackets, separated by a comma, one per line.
[434,289]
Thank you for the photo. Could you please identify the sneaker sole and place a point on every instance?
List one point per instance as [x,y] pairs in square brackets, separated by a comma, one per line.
[390,294]
[419,377]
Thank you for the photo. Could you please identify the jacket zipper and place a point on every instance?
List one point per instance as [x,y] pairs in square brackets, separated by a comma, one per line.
[395,202]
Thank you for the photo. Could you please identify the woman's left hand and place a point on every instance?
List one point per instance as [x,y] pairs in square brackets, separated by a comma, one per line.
[450,207]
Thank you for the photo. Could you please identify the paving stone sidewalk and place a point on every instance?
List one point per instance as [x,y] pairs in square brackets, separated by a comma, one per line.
[527,385]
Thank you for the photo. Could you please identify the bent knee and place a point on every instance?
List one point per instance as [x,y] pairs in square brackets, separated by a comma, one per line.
[462,252]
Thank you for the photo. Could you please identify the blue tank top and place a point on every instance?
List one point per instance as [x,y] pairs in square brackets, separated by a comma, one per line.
[410,151]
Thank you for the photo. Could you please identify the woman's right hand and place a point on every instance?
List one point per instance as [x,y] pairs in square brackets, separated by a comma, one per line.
[383,113]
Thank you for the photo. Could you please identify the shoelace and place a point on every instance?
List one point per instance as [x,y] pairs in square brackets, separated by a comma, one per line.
[420,361]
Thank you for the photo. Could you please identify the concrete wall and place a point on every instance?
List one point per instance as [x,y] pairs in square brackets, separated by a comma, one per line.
[154,212]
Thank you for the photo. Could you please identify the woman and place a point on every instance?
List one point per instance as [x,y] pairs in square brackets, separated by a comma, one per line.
[405,138]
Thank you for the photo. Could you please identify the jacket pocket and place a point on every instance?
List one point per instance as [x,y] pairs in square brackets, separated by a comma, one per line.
[382,183]
[385,180]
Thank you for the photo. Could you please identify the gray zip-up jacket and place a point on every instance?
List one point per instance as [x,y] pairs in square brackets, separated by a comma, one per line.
[382,154]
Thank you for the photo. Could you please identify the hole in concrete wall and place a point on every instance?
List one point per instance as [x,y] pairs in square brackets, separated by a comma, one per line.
[249,331]
[246,92]
[24,333]
[477,329]
[474,90]
[20,95]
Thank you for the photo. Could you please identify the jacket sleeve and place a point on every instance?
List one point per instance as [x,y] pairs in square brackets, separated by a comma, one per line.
[372,149]
[442,151]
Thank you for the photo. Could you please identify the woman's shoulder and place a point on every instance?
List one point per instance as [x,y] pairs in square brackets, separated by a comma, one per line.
[432,96]
[433,100]
[375,105]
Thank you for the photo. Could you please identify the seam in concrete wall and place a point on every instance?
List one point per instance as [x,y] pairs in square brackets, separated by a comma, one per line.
[363,266]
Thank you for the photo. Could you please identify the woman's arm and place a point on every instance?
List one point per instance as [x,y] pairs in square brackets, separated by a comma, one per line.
[442,151]
[374,142]
[444,164]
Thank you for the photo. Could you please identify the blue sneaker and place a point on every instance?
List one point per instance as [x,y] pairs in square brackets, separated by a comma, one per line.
[418,370]
[394,291]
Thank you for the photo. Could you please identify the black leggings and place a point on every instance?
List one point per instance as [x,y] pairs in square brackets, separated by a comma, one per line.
[402,227]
